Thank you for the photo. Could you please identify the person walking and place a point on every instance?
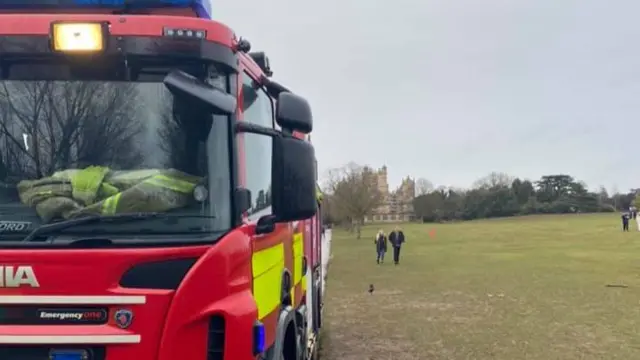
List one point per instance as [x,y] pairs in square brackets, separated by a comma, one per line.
[625,221]
[396,238]
[381,246]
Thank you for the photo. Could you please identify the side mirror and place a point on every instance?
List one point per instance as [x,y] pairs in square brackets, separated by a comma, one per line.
[293,179]
[185,86]
[294,113]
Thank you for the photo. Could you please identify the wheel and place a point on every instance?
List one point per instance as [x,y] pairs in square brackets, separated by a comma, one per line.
[302,343]
[291,350]
[286,346]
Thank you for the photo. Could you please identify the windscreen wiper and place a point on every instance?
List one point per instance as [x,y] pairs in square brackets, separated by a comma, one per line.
[91,219]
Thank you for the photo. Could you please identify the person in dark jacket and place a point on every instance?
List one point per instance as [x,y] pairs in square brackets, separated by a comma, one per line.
[381,246]
[396,238]
[625,221]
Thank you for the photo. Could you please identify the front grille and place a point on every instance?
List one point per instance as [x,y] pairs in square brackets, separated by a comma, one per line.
[215,350]
[42,352]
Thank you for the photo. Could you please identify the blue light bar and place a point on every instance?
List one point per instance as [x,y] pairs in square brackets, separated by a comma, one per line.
[201,7]
[68,355]
[259,338]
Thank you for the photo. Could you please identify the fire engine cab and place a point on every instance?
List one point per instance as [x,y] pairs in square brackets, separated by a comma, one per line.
[158,194]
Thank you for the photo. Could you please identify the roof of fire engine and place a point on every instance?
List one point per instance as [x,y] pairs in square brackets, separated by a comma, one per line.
[201,7]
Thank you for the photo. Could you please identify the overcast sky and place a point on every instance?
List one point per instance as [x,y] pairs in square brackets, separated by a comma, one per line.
[451,90]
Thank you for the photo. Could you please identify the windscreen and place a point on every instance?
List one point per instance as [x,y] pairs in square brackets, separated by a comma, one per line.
[77,148]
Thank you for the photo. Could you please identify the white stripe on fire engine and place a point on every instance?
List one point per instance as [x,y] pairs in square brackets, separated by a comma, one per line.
[258,214]
[72,300]
[266,211]
[70,339]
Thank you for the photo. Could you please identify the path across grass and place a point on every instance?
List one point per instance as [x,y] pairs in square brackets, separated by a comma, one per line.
[509,289]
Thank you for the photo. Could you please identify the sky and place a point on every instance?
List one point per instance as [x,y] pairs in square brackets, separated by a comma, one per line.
[451,90]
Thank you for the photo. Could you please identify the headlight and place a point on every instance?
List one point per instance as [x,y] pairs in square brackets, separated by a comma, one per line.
[78,37]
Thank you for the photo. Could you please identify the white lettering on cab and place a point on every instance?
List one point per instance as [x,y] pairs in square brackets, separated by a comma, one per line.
[17,276]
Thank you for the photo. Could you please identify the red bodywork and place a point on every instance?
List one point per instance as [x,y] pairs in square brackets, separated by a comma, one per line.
[284,232]
[172,324]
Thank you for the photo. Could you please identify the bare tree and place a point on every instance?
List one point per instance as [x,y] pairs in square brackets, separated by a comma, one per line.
[423,187]
[182,128]
[494,179]
[172,135]
[46,126]
[353,193]
[615,192]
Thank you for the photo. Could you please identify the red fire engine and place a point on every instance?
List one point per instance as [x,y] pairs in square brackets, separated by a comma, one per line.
[158,194]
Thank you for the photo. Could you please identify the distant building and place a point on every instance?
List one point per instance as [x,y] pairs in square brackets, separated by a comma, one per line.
[396,205]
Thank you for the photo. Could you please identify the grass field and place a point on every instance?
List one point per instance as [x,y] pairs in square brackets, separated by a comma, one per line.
[520,288]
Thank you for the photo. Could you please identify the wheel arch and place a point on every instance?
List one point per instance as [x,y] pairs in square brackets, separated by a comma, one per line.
[286,321]
[286,286]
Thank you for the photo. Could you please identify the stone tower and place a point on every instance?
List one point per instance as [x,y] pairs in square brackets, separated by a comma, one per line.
[396,205]
[383,184]
[407,190]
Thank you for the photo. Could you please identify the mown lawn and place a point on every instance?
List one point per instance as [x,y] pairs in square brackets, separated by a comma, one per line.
[520,288]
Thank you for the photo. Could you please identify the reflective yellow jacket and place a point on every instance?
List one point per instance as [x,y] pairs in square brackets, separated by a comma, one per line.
[99,190]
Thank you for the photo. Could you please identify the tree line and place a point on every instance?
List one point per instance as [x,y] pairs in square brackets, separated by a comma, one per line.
[500,195]
[352,194]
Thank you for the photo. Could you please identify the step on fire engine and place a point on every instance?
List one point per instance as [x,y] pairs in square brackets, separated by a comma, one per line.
[158,194]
